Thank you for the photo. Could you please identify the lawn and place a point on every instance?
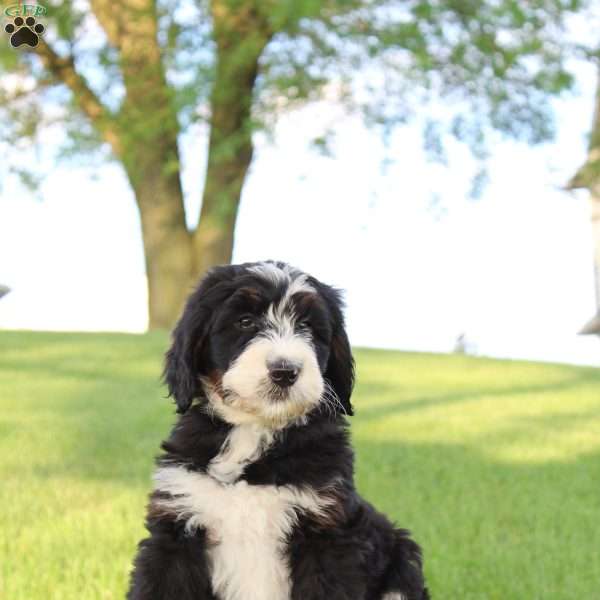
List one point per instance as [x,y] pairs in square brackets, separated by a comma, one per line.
[494,465]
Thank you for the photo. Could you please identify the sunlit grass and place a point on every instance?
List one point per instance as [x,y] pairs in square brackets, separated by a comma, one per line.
[494,465]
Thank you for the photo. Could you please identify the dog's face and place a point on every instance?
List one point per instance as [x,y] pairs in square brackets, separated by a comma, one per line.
[261,342]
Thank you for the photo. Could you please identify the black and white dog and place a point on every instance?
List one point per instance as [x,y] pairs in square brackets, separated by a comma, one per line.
[254,496]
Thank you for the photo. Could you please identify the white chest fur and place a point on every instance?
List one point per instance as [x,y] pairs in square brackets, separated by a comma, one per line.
[246,524]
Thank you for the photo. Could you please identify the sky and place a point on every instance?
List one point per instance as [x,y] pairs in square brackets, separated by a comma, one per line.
[512,271]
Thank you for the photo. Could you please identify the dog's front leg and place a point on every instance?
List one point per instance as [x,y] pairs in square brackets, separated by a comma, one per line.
[171,565]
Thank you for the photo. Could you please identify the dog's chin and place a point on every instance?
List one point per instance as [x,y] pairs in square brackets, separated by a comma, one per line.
[270,406]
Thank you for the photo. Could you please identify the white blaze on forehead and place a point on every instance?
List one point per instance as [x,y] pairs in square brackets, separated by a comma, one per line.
[281,315]
[295,280]
[274,273]
[298,284]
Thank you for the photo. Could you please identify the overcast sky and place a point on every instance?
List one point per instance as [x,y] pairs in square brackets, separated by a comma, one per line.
[512,270]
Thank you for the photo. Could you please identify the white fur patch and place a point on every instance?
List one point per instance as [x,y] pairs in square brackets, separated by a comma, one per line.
[248,524]
[296,280]
[247,384]
[393,596]
[296,285]
[273,273]
[244,444]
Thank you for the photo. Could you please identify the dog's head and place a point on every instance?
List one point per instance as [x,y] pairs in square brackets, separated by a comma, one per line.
[261,342]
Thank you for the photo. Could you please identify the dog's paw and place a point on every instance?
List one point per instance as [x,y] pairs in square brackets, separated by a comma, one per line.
[24,31]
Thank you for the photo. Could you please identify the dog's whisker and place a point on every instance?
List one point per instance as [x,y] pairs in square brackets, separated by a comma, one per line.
[330,395]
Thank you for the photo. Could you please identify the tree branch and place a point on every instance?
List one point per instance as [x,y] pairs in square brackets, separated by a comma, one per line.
[589,173]
[63,70]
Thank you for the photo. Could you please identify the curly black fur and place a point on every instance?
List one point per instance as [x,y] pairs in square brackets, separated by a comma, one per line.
[351,553]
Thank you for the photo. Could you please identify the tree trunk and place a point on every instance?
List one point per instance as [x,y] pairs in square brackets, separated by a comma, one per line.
[168,250]
[588,177]
[148,148]
[143,134]
[593,326]
[241,35]
[595,202]
[152,163]
[225,176]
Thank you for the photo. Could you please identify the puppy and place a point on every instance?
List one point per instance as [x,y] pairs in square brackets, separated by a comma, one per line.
[254,496]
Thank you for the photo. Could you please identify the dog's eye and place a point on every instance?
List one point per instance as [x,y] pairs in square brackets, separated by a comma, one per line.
[246,323]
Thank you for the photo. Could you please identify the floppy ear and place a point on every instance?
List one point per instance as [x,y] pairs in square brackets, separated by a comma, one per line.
[181,369]
[184,361]
[340,365]
[340,369]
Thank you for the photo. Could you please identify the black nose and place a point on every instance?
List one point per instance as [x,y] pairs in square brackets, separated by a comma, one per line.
[283,373]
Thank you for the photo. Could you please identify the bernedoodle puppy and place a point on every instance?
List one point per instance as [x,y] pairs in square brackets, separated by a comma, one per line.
[254,496]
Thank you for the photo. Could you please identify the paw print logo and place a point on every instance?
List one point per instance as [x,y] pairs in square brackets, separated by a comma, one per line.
[24,31]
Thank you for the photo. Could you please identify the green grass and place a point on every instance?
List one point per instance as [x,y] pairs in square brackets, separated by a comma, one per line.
[494,465]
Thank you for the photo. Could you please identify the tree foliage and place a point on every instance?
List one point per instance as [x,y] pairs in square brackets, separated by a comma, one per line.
[496,62]
[122,81]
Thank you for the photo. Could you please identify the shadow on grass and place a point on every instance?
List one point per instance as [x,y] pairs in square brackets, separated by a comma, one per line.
[90,357]
[368,412]
[87,406]
[490,530]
